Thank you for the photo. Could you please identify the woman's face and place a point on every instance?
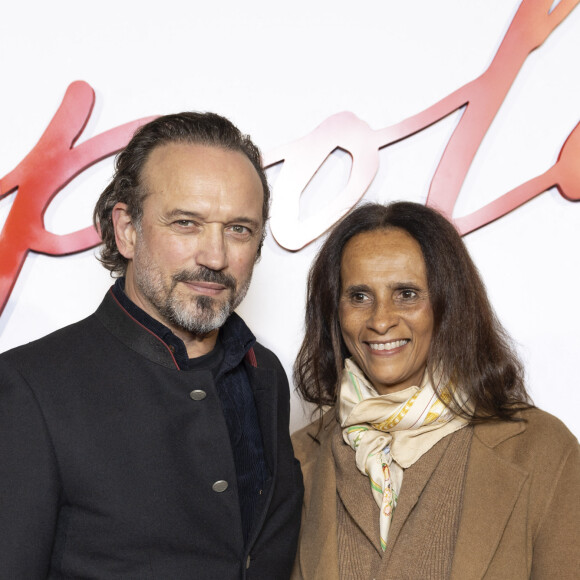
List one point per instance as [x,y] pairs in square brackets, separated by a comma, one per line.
[384,311]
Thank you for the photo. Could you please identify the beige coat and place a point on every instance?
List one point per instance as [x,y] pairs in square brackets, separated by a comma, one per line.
[521,508]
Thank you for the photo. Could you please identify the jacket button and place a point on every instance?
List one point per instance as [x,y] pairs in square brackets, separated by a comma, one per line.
[220,485]
[197,395]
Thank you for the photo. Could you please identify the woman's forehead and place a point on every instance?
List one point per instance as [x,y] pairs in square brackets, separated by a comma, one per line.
[380,251]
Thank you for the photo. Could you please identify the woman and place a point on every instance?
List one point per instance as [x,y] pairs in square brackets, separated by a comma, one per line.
[431,461]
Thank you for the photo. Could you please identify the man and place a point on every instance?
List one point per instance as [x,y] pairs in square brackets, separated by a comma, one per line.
[151,439]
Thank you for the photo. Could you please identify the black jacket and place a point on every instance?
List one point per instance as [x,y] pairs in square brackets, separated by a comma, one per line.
[108,465]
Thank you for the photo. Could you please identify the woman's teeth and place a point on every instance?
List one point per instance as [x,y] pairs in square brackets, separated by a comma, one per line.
[388,345]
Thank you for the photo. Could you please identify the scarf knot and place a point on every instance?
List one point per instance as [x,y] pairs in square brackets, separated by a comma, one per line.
[391,432]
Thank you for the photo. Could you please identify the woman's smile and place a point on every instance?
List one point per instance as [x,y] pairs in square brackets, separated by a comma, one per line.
[387,346]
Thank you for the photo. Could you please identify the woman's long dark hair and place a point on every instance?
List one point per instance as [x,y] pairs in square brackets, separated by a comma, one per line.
[469,345]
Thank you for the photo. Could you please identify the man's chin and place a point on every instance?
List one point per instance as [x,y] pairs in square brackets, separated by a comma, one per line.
[199,320]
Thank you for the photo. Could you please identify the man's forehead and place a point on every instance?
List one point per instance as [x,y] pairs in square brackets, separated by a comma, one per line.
[205,157]
[198,178]
[173,163]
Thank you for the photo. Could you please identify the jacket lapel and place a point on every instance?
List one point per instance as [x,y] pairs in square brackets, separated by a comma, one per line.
[492,488]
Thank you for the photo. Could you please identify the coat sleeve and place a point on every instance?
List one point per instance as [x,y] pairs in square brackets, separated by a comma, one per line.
[28,482]
[556,552]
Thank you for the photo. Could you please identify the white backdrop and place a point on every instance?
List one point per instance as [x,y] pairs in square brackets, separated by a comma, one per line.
[278,71]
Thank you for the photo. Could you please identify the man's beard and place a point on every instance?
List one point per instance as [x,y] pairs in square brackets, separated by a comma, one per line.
[199,315]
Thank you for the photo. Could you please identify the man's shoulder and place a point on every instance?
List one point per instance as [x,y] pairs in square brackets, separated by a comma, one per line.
[63,339]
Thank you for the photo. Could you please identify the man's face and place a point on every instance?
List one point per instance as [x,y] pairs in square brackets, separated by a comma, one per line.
[191,257]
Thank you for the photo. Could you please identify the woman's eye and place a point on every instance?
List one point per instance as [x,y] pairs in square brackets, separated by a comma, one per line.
[408,294]
[358,297]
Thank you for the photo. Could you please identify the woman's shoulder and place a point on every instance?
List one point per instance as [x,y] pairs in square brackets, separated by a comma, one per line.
[531,422]
[309,440]
[536,435]
[546,425]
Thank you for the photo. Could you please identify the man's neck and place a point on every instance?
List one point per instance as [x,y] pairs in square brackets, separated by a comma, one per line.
[196,345]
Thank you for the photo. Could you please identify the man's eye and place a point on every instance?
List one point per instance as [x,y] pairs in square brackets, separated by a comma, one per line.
[183,223]
[241,230]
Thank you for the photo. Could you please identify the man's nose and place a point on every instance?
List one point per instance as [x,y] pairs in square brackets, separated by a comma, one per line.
[212,250]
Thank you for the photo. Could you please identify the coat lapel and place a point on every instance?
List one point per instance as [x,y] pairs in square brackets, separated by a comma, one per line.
[492,488]
[414,481]
[318,556]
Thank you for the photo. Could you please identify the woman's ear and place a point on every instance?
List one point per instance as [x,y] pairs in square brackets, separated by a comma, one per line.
[125,231]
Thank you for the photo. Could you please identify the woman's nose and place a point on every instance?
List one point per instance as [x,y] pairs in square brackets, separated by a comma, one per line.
[383,317]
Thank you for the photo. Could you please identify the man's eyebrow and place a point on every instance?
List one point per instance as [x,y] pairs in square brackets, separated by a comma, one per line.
[185,213]
[245,220]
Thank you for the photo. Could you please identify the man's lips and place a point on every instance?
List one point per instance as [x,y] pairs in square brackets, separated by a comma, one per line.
[388,345]
[206,281]
[207,288]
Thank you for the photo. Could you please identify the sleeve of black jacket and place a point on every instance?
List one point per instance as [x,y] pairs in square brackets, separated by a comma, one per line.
[29,482]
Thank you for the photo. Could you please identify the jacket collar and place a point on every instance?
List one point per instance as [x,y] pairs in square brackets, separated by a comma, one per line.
[146,339]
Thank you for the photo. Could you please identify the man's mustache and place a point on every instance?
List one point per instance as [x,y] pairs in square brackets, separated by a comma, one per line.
[203,274]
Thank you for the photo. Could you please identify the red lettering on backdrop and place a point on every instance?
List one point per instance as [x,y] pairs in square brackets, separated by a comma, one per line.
[481,99]
[54,161]
[46,170]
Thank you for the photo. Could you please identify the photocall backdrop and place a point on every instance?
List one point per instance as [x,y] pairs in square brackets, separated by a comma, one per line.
[468,105]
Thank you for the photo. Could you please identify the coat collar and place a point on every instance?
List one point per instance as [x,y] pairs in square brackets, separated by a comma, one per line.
[133,333]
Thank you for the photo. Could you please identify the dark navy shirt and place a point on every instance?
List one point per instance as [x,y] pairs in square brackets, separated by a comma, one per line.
[225,362]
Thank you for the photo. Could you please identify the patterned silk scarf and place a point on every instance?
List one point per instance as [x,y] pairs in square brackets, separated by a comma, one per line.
[390,432]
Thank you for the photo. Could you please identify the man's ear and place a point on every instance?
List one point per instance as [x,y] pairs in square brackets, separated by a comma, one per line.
[125,231]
